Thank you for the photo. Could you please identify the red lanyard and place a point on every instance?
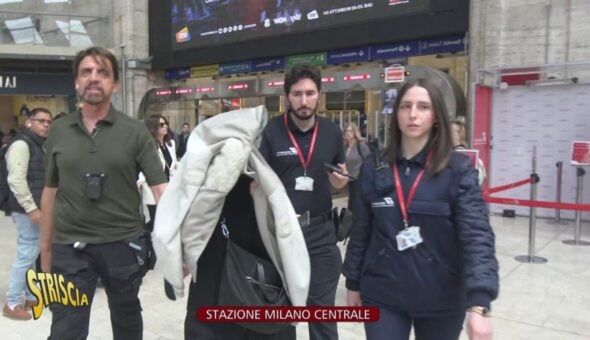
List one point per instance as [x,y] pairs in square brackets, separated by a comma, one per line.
[403,204]
[304,162]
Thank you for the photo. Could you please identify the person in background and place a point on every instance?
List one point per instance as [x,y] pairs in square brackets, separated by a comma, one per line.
[296,145]
[356,150]
[24,163]
[182,140]
[90,219]
[422,249]
[459,136]
[24,111]
[166,147]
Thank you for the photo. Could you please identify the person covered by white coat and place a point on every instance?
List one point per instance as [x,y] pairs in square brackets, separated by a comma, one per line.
[220,150]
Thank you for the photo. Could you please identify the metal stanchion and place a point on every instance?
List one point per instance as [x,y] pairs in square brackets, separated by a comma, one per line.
[558,220]
[578,230]
[531,258]
[124,80]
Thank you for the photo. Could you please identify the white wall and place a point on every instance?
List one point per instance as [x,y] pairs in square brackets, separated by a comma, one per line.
[510,33]
[550,118]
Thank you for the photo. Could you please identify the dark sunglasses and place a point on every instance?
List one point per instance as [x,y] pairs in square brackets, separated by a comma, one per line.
[163,124]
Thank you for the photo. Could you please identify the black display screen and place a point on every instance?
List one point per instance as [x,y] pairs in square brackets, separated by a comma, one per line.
[203,23]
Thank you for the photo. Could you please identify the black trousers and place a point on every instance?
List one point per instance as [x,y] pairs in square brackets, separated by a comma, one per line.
[326,265]
[394,325]
[120,269]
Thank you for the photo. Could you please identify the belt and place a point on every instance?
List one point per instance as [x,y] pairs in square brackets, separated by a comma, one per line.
[321,218]
[318,219]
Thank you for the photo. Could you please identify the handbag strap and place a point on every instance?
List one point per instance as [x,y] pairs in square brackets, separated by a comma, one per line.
[358,148]
[262,282]
[259,267]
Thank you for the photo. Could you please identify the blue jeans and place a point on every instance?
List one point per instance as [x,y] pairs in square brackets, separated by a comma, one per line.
[27,250]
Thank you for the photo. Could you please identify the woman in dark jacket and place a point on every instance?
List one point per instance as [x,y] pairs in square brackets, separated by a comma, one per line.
[422,248]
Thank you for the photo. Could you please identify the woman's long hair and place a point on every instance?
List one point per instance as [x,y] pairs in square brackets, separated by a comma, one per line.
[355,131]
[153,125]
[439,142]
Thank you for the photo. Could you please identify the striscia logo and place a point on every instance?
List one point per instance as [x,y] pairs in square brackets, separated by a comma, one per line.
[386,203]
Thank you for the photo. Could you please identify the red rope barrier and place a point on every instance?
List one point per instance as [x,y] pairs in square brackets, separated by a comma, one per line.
[529,203]
[538,204]
[509,186]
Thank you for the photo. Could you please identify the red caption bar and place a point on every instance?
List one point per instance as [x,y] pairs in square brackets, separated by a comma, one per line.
[287,314]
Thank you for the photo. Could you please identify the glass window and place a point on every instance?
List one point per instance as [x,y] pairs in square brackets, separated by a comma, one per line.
[23,31]
[75,32]
[68,23]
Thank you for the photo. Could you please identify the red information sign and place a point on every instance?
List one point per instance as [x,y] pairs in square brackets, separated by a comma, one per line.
[580,153]
[394,74]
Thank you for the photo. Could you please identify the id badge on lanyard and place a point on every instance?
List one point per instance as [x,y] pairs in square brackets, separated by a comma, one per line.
[303,183]
[409,237]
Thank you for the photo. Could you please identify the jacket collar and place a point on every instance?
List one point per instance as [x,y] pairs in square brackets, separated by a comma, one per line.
[76,118]
[419,158]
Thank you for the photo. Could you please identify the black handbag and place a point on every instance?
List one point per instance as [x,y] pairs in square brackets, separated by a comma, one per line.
[249,280]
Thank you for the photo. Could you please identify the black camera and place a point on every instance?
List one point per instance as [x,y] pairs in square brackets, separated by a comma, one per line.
[94,185]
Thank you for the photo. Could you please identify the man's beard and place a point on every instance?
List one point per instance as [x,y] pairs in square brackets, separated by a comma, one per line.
[94,98]
[302,116]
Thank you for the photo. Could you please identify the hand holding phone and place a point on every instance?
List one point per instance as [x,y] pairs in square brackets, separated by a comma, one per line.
[337,170]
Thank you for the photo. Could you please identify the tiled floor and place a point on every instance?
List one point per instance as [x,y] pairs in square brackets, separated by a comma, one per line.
[537,301]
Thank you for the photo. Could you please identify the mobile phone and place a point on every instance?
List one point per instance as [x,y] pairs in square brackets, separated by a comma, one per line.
[337,170]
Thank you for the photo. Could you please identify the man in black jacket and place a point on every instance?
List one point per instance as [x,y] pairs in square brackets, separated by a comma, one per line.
[24,162]
[182,140]
[297,145]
